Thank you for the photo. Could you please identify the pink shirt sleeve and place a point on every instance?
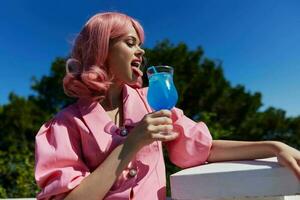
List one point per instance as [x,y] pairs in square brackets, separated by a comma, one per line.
[193,144]
[59,166]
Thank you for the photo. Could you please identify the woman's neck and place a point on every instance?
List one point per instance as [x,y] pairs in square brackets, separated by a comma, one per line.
[113,98]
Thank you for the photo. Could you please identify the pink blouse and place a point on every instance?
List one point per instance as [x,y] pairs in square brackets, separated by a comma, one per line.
[79,138]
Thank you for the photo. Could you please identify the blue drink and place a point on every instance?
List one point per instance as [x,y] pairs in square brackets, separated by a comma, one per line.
[162,93]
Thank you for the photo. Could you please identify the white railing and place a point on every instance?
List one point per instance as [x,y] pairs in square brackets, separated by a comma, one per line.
[240,180]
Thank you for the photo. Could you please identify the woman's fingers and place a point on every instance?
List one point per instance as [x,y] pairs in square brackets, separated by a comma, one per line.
[290,162]
[293,164]
[161,121]
[161,128]
[158,126]
[164,137]
[159,118]
[161,113]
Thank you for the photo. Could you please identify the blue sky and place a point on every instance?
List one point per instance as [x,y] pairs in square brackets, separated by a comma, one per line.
[258,41]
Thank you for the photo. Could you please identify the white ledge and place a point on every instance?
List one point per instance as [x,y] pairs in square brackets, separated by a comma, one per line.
[257,179]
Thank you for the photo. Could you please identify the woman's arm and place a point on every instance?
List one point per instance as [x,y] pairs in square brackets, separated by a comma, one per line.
[148,130]
[223,150]
[108,171]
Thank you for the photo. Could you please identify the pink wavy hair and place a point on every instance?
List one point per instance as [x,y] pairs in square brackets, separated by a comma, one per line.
[87,74]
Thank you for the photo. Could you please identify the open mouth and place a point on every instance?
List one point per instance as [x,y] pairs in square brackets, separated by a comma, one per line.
[135,64]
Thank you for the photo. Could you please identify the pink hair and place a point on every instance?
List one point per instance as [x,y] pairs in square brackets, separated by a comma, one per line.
[87,74]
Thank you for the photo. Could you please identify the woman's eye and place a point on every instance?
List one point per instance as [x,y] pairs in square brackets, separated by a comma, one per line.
[130,44]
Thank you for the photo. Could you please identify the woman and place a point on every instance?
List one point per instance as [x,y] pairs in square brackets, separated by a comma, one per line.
[108,145]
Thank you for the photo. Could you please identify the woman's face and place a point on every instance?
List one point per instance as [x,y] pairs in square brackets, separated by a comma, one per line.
[125,58]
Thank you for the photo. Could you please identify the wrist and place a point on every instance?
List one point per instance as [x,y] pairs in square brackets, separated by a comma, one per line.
[275,147]
[131,144]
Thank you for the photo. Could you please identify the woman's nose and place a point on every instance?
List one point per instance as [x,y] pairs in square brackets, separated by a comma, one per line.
[140,51]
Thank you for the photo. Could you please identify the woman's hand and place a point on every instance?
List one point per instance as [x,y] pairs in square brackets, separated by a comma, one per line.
[289,157]
[156,126]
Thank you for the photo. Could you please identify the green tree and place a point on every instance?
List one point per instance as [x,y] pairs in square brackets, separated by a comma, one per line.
[49,88]
[19,120]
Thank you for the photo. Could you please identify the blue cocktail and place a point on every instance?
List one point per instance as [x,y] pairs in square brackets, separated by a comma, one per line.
[162,93]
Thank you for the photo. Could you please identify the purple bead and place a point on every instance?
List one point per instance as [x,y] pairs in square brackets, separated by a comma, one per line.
[123,131]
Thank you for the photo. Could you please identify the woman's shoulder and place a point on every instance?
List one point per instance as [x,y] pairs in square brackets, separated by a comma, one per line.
[65,119]
[66,115]
[70,111]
